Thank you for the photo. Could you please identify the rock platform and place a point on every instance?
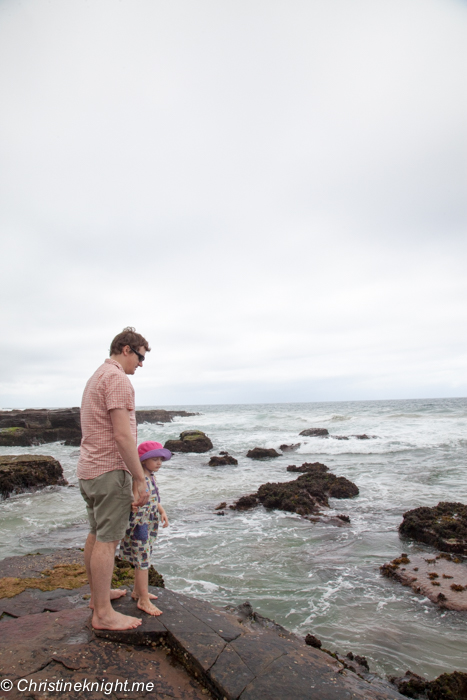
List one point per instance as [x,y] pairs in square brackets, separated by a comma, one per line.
[193,650]
[442,578]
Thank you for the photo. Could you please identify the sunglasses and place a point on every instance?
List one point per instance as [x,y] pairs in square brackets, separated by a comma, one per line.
[141,357]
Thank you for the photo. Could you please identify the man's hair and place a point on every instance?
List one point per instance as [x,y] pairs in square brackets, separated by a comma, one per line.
[130,337]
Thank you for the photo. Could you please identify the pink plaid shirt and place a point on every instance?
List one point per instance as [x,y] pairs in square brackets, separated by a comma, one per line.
[108,388]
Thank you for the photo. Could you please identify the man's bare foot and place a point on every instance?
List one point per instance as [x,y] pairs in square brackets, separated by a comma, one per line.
[115,621]
[146,605]
[151,596]
[115,593]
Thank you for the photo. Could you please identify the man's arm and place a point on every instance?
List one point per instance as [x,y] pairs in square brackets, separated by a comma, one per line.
[126,446]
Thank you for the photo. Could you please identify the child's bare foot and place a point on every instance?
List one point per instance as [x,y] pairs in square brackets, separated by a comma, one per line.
[146,606]
[114,594]
[151,596]
[115,621]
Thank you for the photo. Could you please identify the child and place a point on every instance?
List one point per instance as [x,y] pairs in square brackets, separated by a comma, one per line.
[136,546]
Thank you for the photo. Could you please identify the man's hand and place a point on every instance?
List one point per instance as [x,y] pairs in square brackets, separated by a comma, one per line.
[140,494]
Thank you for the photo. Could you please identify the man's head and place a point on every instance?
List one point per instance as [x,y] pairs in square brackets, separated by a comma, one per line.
[129,349]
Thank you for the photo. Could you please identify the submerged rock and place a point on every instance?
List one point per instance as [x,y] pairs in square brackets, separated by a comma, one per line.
[19,473]
[262,453]
[223,460]
[443,526]
[305,496]
[290,448]
[315,432]
[441,578]
[190,441]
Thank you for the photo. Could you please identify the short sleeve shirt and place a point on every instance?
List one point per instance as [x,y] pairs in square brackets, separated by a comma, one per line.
[108,388]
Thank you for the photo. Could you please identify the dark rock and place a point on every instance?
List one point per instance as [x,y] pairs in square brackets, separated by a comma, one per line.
[223,452]
[290,448]
[160,415]
[364,437]
[190,441]
[313,641]
[308,467]
[443,526]
[39,426]
[410,685]
[305,496]
[224,460]
[361,660]
[344,518]
[315,432]
[26,437]
[221,506]
[220,512]
[21,473]
[339,437]
[448,686]
[262,453]
[245,502]
[41,418]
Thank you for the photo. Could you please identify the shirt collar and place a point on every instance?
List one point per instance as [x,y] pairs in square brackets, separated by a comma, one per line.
[114,362]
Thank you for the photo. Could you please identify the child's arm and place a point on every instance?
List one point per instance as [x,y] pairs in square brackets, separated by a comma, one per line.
[163,514]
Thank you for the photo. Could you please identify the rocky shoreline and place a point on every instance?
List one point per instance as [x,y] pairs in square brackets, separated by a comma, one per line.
[194,650]
[37,426]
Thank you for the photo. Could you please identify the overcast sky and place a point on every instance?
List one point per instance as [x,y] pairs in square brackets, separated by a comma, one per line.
[273,192]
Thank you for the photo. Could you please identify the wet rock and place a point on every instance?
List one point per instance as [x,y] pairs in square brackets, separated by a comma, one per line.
[223,460]
[448,686]
[344,518]
[305,496]
[361,660]
[308,467]
[39,426]
[262,453]
[160,415]
[441,578]
[290,448]
[339,437]
[245,502]
[221,506]
[364,437]
[19,473]
[190,441]
[313,641]
[315,432]
[443,526]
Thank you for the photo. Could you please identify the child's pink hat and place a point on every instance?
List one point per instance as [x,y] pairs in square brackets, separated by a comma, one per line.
[150,449]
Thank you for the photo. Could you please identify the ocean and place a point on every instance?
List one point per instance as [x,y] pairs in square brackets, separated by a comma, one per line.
[310,577]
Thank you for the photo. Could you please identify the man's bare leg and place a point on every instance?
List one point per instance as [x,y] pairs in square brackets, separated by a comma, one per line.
[88,547]
[101,565]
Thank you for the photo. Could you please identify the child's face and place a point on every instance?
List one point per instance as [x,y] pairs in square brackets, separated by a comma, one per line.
[153,464]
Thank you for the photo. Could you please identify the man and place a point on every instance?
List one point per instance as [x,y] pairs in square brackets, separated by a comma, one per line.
[110,474]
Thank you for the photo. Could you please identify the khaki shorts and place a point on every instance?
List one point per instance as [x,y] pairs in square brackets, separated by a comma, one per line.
[108,500]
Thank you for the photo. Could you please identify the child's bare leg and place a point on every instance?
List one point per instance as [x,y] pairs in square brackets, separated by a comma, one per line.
[142,595]
[138,589]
